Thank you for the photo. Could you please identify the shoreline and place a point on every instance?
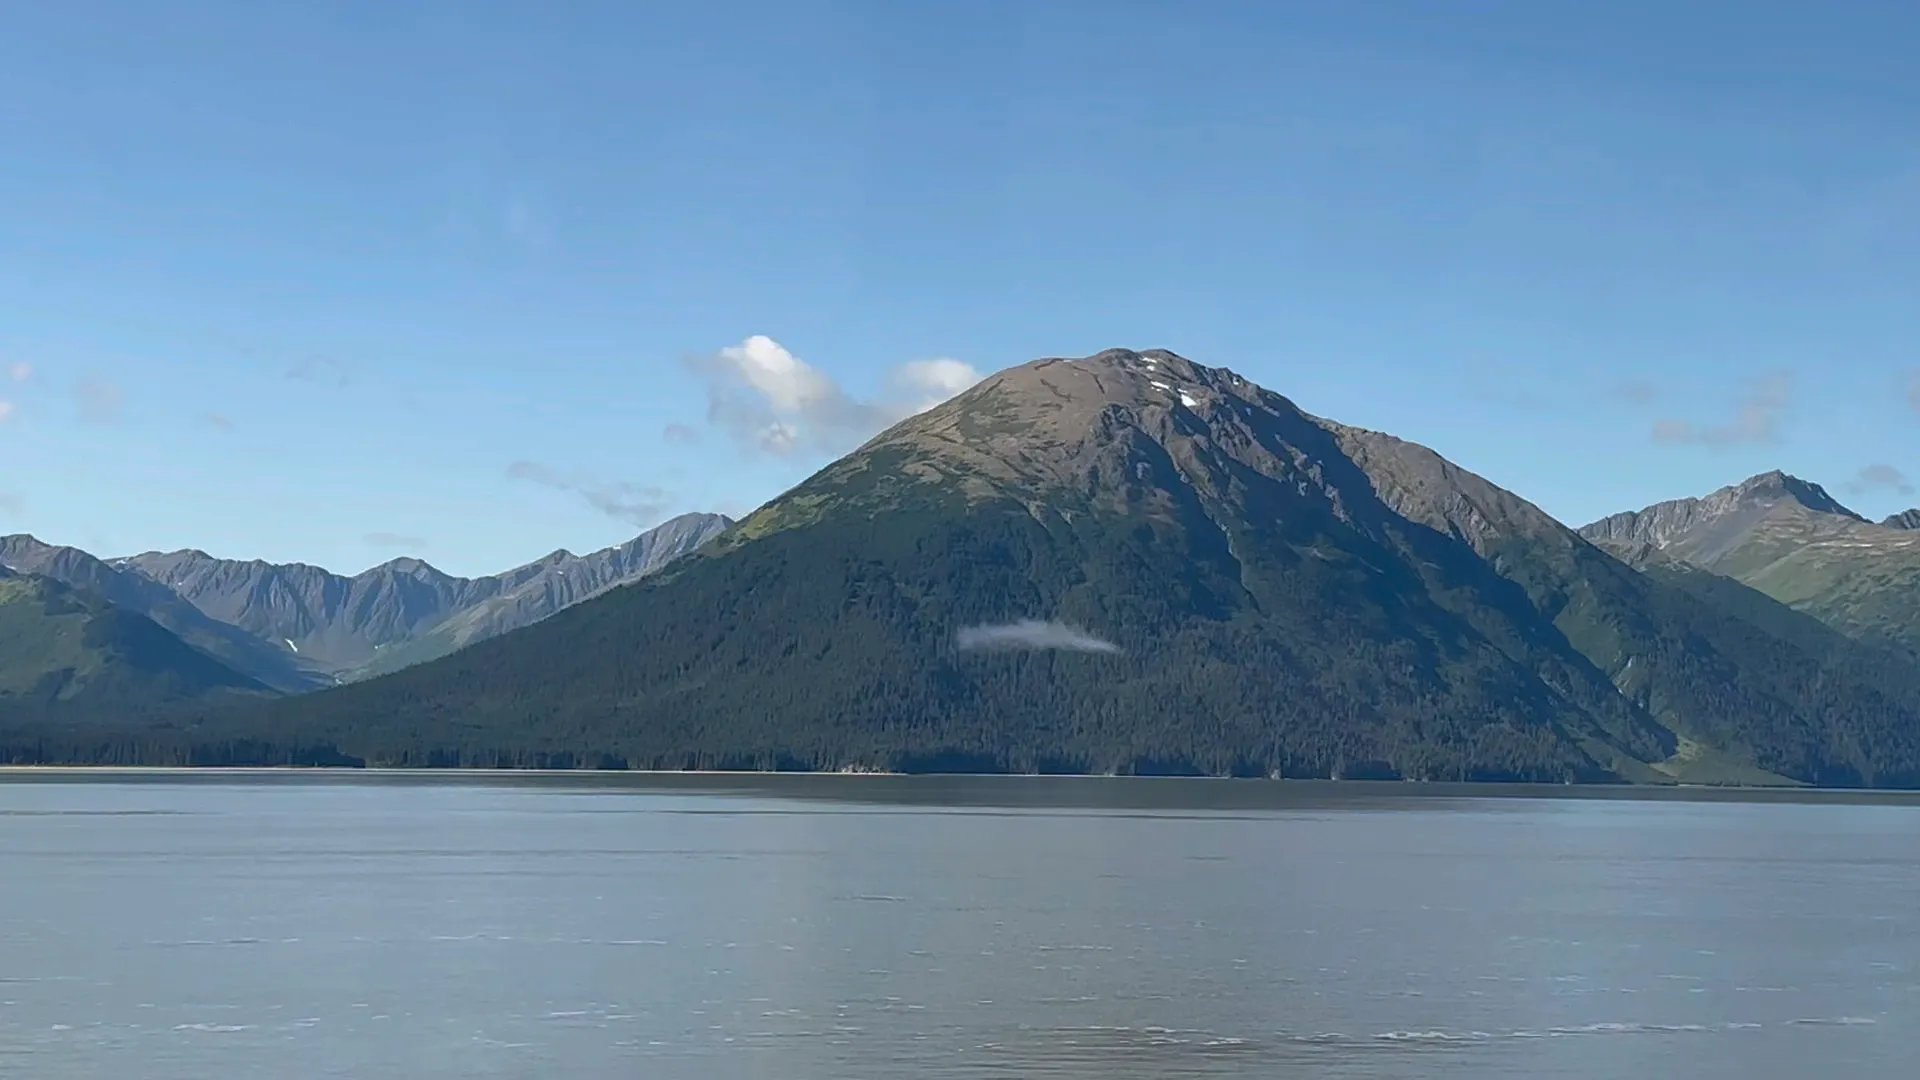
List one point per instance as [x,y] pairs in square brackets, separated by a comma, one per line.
[1043,789]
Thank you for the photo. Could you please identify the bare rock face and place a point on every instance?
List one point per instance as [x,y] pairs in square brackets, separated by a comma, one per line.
[1905,519]
[1708,529]
[345,626]
[296,627]
[533,592]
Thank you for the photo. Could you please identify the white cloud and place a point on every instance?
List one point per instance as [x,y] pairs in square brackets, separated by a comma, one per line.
[6,411]
[1032,634]
[20,371]
[775,402]
[926,383]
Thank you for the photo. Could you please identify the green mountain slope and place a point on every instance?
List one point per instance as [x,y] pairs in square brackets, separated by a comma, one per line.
[60,646]
[1282,594]
[297,627]
[132,592]
[1792,541]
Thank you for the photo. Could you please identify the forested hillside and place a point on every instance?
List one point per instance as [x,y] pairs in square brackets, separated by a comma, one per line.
[1283,596]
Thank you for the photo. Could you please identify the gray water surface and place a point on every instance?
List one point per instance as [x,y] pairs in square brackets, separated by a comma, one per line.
[812,928]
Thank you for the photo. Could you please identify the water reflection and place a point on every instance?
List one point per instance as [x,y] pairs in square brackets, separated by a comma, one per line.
[828,927]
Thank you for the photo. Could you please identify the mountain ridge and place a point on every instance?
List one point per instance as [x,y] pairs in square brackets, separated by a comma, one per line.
[1792,541]
[1288,596]
[135,593]
[299,627]
[60,644]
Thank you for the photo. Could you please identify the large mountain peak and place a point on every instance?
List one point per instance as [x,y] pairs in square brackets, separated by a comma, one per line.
[1236,586]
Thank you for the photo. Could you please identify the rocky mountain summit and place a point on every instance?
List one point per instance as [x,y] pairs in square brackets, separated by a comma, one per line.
[1791,540]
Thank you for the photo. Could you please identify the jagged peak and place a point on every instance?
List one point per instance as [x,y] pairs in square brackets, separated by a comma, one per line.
[1905,519]
[1758,492]
[408,565]
[1776,484]
[196,555]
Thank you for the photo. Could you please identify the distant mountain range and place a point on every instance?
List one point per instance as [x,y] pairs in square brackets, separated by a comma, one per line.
[293,628]
[1121,563]
[59,643]
[1133,563]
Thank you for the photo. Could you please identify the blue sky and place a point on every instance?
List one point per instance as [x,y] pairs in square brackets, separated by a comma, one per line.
[339,282]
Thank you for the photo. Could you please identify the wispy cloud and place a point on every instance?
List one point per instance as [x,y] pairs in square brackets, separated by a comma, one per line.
[394,540]
[681,433]
[526,222]
[636,504]
[774,402]
[98,401]
[19,371]
[1032,634]
[321,369]
[1873,478]
[1756,417]
[11,503]
[217,421]
[1637,392]
[6,411]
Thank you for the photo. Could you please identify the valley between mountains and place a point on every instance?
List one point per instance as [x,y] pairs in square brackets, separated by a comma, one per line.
[1121,563]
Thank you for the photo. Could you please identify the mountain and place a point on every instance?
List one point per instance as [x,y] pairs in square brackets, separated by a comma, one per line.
[1905,519]
[298,627]
[1207,579]
[331,622]
[535,591]
[1792,541]
[61,645]
[134,593]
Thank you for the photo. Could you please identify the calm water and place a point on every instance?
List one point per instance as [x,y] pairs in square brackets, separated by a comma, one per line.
[819,928]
